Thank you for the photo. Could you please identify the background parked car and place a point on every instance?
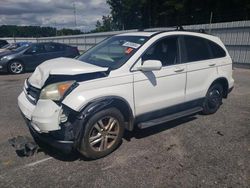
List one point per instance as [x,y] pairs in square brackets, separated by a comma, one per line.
[3,43]
[14,46]
[27,58]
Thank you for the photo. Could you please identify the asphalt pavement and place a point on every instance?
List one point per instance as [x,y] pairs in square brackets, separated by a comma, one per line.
[198,151]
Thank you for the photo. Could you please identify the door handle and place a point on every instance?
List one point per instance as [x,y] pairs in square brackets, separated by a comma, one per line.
[211,65]
[179,69]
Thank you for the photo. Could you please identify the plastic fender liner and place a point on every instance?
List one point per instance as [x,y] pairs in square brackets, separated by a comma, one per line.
[93,107]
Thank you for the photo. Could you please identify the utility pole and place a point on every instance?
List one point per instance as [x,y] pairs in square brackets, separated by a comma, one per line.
[14,38]
[74,7]
[149,14]
[56,27]
[210,21]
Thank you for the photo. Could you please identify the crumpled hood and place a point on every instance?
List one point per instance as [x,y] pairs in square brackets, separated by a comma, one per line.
[61,66]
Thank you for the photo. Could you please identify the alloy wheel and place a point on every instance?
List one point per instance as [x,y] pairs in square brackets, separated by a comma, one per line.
[16,67]
[104,133]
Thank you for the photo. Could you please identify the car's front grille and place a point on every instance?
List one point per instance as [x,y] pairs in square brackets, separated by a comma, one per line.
[31,92]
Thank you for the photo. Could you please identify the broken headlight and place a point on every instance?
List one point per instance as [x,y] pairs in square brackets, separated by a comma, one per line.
[57,91]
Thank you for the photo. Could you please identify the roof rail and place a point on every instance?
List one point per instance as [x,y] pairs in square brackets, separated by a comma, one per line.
[180,28]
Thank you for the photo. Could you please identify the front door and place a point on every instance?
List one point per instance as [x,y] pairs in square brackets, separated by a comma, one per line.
[155,91]
[34,56]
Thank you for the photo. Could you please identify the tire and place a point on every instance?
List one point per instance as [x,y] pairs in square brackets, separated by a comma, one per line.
[15,67]
[213,99]
[103,134]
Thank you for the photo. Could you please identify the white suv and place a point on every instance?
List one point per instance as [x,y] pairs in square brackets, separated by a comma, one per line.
[133,79]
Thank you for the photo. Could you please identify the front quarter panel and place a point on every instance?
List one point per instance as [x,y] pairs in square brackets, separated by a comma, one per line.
[119,86]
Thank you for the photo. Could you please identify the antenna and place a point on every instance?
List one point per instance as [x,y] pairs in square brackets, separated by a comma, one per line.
[74,7]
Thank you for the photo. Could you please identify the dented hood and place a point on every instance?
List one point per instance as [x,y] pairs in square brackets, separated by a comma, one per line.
[61,66]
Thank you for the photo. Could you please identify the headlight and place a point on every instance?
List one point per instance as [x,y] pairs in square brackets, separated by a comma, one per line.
[3,58]
[56,91]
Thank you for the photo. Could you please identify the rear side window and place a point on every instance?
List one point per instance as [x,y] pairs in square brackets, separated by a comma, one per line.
[217,51]
[60,47]
[51,47]
[197,49]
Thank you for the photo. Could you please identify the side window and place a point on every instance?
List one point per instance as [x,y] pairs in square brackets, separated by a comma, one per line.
[51,47]
[165,50]
[217,51]
[196,49]
[61,47]
[36,49]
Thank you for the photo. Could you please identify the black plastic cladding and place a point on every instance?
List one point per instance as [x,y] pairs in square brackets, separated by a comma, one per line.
[90,109]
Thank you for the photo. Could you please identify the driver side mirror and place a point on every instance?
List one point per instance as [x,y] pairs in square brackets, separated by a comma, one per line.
[150,65]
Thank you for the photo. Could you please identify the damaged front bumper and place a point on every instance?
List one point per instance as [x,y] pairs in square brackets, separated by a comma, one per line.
[44,115]
[62,140]
[45,123]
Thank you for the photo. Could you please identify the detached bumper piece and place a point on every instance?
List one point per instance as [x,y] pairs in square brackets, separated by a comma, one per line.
[24,146]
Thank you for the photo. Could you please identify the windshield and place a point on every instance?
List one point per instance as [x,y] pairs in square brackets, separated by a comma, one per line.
[113,52]
[5,46]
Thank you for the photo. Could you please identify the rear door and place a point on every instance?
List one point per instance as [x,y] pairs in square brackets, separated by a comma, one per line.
[201,67]
[54,50]
[155,91]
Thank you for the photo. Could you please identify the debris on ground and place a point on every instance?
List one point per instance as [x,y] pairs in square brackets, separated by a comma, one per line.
[219,133]
[24,146]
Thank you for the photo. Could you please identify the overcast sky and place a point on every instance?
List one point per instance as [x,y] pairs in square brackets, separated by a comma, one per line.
[59,13]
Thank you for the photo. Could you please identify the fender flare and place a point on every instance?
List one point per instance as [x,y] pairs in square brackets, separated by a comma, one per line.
[97,105]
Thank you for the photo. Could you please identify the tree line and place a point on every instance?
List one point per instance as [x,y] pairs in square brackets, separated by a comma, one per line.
[136,14]
[132,14]
[34,31]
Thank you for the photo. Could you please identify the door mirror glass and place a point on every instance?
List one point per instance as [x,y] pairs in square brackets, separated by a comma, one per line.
[150,65]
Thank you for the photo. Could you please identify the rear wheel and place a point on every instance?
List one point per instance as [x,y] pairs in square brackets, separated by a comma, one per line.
[213,99]
[16,67]
[103,133]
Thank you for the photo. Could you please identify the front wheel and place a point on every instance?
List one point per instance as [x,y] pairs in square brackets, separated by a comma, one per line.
[103,133]
[213,99]
[16,67]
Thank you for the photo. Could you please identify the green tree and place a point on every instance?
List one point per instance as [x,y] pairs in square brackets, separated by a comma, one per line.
[130,14]
[105,25]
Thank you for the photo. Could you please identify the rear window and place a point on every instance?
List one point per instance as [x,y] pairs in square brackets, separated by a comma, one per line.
[217,51]
[196,48]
